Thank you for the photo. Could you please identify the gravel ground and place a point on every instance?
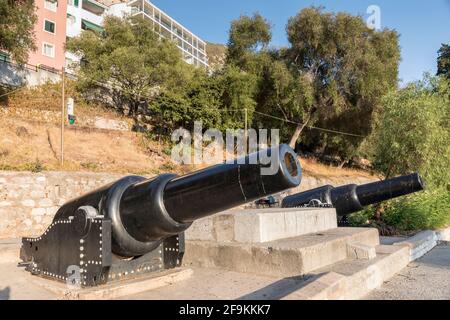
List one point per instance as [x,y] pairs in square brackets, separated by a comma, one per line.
[426,278]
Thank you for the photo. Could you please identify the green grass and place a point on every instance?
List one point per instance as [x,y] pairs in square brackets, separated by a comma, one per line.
[34,166]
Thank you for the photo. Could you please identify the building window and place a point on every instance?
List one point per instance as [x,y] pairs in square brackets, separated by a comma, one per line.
[48,50]
[49,26]
[51,5]
[72,3]
[71,20]
[71,64]
[86,25]
[4,57]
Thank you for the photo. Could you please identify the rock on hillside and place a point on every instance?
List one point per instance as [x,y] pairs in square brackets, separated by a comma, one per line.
[216,55]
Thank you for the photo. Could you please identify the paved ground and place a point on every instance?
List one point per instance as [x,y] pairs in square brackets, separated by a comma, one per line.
[209,284]
[425,278]
[213,284]
[15,284]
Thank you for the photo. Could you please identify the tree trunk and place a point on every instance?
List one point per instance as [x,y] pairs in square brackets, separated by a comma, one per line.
[297,132]
[343,163]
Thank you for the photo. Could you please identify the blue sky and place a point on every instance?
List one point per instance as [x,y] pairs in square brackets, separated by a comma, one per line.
[423,25]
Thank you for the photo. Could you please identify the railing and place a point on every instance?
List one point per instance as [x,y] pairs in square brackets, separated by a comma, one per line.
[28,66]
[174,36]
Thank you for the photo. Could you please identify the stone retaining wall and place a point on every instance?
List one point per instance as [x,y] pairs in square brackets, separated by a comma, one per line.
[28,201]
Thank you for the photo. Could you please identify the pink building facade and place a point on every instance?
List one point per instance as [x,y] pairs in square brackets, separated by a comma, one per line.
[50,32]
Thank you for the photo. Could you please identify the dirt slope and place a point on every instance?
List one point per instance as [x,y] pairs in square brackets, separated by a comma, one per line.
[30,140]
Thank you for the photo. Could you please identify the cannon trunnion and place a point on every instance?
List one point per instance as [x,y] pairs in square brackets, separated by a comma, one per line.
[136,225]
[352,198]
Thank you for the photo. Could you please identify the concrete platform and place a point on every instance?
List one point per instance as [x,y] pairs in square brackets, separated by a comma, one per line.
[262,225]
[348,278]
[281,258]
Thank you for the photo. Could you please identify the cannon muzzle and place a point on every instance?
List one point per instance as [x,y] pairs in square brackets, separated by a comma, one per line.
[144,219]
[352,198]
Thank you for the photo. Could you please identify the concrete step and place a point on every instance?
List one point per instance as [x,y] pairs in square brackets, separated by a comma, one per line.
[280,258]
[262,225]
[354,278]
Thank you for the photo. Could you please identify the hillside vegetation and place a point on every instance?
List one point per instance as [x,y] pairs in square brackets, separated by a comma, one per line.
[30,140]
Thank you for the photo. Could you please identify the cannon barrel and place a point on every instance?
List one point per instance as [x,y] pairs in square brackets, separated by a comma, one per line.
[352,198]
[145,211]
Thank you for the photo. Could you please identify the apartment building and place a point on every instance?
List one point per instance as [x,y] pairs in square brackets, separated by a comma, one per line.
[89,14]
[50,31]
[82,15]
[62,19]
[192,47]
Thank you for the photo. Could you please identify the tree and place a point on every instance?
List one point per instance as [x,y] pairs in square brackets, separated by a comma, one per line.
[348,67]
[247,36]
[413,131]
[215,100]
[275,89]
[130,60]
[17,20]
[333,74]
[282,94]
[443,61]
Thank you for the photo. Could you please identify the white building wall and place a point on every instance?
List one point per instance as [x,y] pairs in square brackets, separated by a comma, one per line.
[73,29]
[119,9]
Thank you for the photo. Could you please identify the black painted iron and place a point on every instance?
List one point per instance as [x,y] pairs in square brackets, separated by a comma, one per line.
[136,225]
[352,198]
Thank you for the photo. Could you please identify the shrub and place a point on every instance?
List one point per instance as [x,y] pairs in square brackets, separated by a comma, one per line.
[429,209]
[35,166]
[360,218]
[412,134]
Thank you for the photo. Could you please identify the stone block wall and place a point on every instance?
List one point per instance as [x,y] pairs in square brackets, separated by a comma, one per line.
[28,201]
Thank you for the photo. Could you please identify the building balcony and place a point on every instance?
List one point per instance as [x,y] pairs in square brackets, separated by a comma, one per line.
[94,7]
[91,17]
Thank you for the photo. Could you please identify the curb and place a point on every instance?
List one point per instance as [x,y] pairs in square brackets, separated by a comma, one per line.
[424,241]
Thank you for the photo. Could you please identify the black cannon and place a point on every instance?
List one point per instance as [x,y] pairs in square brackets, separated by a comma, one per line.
[136,225]
[352,198]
